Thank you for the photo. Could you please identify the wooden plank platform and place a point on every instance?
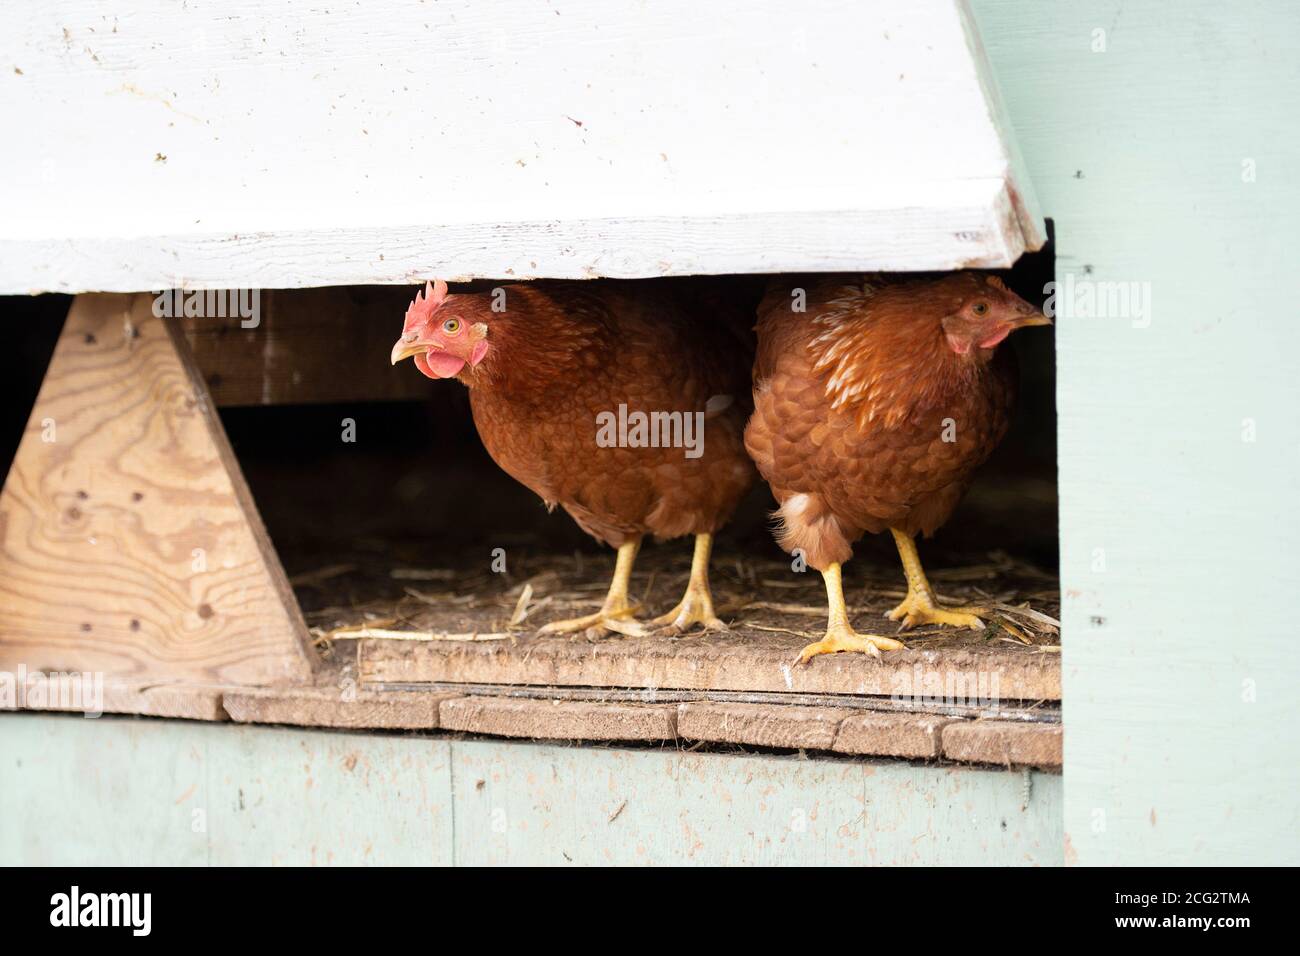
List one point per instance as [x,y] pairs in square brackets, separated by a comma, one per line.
[819,729]
[753,662]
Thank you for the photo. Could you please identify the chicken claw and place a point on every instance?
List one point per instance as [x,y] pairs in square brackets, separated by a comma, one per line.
[617,610]
[606,619]
[693,609]
[839,636]
[920,606]
[846,639]
[696,605]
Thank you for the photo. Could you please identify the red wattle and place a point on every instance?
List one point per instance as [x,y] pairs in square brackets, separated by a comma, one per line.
[439,364]
[996,338]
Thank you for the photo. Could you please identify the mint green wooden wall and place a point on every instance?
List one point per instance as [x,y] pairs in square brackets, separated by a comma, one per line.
[122,790]
[1180,652]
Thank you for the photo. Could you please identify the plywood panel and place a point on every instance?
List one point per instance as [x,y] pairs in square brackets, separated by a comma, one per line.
[228,143]
[129,543]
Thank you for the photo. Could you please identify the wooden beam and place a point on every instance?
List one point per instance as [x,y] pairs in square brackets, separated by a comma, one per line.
[711,662]
[326,707]
[892,735]
[1004,742]
[823,728]
[149,699]
[762,725]
[558,720]
[129,542]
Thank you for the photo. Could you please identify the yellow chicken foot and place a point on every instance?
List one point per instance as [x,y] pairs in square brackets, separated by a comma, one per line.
[920,606]
[696,606]
[839,636]
[615,614]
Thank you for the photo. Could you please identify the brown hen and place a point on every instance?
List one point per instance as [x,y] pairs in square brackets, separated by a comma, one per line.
[872,410]
[559,375]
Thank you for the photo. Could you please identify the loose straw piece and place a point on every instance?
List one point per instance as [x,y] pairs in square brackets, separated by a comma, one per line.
[362,630]
[521,606]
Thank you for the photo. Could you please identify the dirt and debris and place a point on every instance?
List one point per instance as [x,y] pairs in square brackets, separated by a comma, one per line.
[362,595]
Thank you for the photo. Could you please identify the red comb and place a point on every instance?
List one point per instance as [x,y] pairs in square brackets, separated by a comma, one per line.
[426,302]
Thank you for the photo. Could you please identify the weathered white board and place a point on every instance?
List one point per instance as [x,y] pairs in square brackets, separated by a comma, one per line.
[225,143]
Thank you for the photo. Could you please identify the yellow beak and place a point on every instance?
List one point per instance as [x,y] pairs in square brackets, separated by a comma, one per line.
[404,350]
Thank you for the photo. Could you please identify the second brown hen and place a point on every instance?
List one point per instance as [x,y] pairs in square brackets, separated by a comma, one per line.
[872,410]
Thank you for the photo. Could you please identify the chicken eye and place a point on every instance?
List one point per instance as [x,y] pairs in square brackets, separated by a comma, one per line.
[981,308]
[451,326]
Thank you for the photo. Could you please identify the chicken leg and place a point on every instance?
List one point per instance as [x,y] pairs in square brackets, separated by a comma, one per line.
[839,636]
[920,606]
[615,613]
[696,606]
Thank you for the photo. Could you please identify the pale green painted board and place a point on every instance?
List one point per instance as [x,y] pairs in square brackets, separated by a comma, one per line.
[1182,742]
[121,790]
[534,804]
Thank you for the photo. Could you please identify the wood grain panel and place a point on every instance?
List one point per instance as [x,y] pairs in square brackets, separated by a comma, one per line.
[129,543]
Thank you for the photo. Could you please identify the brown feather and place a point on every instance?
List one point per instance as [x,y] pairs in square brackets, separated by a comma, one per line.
[563,352]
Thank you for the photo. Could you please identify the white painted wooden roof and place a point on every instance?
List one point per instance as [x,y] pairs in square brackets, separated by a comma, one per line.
[154,144]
